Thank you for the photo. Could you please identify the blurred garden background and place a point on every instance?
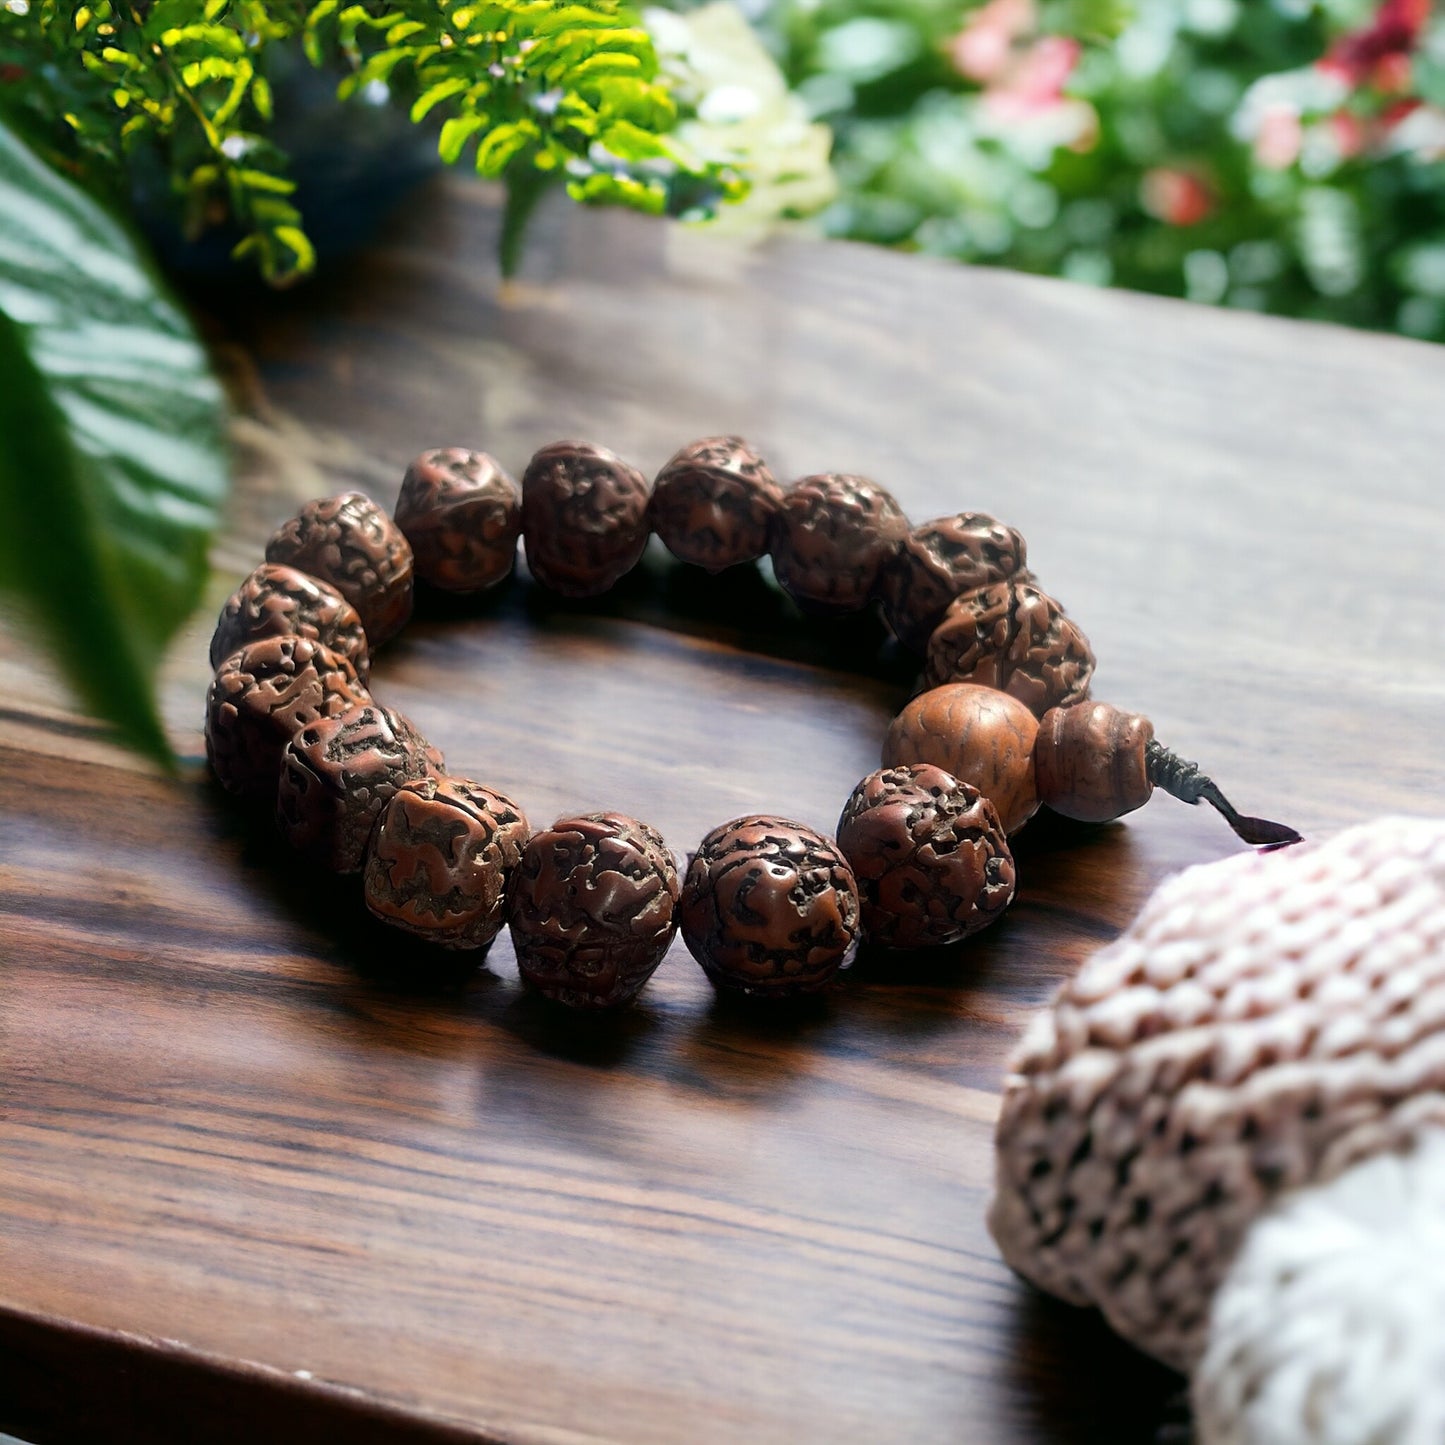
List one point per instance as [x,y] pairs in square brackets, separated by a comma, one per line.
[1283,156]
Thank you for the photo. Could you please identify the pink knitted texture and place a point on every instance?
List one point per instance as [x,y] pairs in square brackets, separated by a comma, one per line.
[1265,1022]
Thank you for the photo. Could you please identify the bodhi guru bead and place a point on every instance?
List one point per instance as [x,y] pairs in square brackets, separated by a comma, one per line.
[462,515]
[981,736]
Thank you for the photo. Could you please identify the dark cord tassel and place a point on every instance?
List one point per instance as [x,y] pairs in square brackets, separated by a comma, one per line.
[1184,781]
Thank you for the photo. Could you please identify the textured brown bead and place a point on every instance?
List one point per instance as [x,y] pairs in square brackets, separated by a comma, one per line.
[831,538]
[940,560]
[337,774]
[981,736]
[713,503]
[593,909]
[584,518]
[462,515]
[276,601]
[261,694]
[348,541]
[1015,637]
[1090,761]
[769,907]
[441,859]
[930,856]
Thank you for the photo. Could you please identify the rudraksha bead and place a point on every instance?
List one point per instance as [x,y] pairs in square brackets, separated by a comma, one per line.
[276,601]
[348,541]
[337,774]
[713,503]
[769,907]
[1013,636]
[930,856]
[1091,761]
[261,694]
[981,736]
[940,560]
[593,909]
[584,518]
[831,538]
[441,859]
[462,515]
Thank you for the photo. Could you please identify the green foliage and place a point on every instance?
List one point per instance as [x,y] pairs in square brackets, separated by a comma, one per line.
[112,466]
[1278,155]
[562,91]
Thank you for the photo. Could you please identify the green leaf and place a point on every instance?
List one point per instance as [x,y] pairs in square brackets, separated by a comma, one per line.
[112,465]
[503,144]
[435,94]
[456,133]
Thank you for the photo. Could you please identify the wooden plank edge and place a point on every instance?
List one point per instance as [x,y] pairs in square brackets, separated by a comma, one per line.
[63,1382]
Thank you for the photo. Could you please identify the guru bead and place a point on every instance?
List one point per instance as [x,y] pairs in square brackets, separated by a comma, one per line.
[978,734]
[584,518]
[1013,636]
[276,601]
[441,858]
[938,561]
[462,515]
[713,503]
[1091,761]
[348,541]
[930,856]
[261,694]
[831,538]
[593,909]
[769,907]
[337,774]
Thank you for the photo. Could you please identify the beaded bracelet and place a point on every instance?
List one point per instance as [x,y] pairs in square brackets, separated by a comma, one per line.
[768,907]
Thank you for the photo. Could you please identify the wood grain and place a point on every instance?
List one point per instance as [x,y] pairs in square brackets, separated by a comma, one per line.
[269,1171]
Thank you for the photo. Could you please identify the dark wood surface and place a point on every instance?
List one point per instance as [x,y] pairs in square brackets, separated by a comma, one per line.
[266,1173]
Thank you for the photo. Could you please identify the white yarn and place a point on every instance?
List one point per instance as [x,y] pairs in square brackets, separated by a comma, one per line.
[1329,1328]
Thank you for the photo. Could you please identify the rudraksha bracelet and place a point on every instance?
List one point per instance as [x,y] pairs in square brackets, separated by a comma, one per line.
[768,907]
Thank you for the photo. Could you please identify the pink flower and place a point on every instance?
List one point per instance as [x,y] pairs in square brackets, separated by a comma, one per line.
[1036,82]
[1278,140]
[1379,54]
[983,49]
[1176,197]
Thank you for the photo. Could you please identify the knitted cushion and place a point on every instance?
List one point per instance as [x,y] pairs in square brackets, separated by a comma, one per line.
[1264,1023]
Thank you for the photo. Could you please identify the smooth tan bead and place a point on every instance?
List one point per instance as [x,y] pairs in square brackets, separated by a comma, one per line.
[978,734]
[1090,761]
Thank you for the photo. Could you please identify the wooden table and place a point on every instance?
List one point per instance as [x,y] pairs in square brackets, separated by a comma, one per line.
[265,1176]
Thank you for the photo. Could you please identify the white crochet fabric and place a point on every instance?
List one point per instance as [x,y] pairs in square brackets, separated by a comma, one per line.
[1266,1023]
[1329,1328]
